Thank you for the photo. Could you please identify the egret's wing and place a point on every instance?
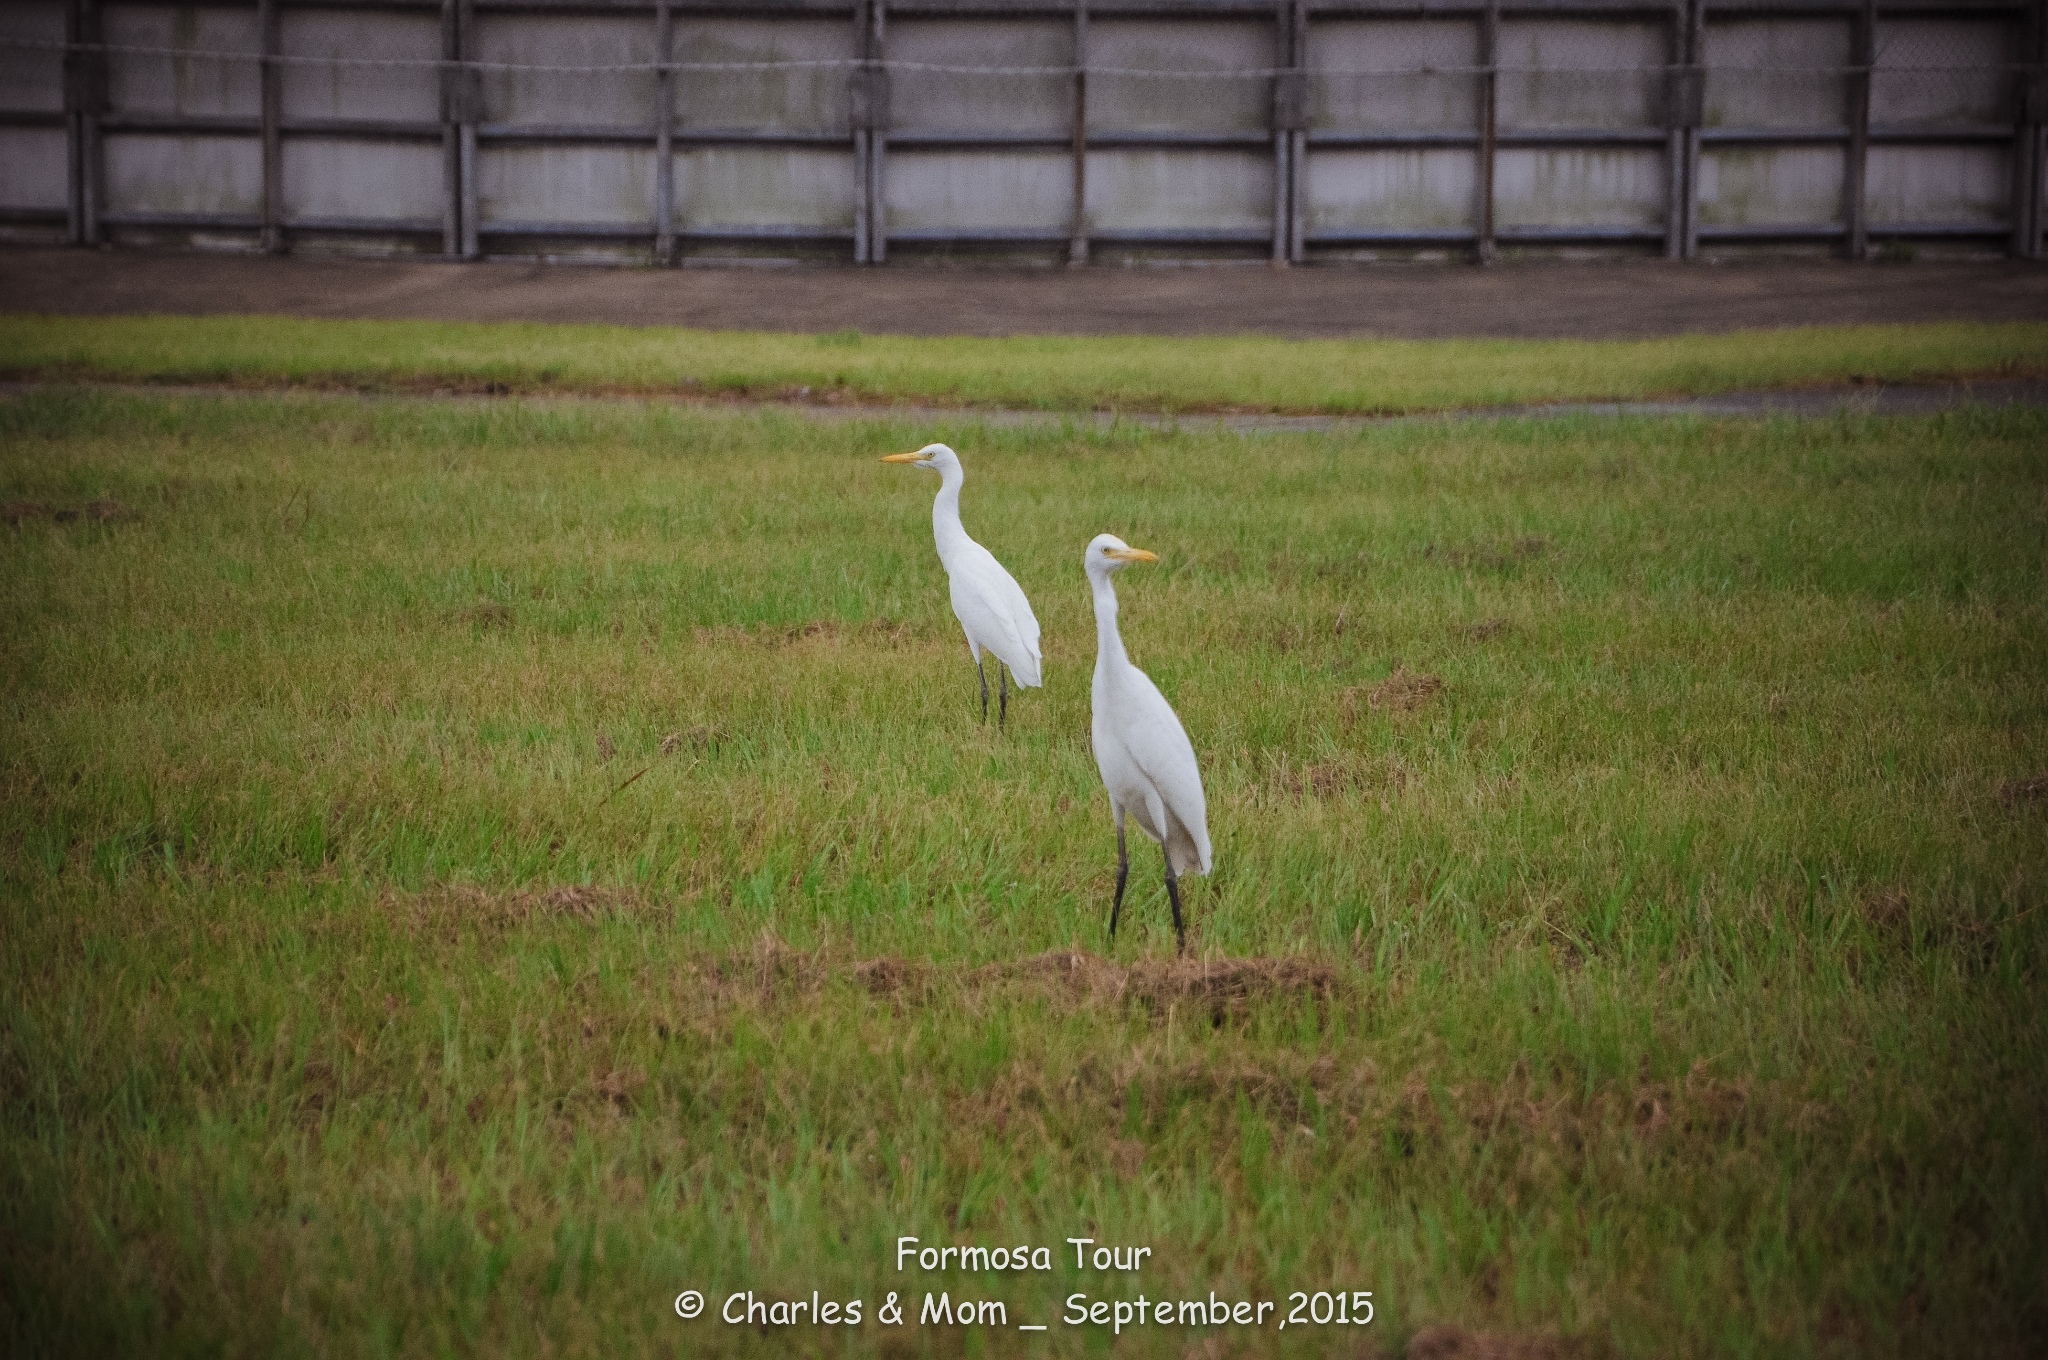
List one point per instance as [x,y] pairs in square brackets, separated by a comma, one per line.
[987,602]
[1026,622]
[1152,734]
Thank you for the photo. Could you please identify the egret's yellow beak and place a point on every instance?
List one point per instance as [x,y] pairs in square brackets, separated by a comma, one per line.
[902,457]
[1133,555]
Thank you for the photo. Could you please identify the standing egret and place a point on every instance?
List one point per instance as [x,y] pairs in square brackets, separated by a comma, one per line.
[986,599]
[1147,763]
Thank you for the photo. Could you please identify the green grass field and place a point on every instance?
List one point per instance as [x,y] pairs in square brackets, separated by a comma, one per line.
[1240,373]
[473,871]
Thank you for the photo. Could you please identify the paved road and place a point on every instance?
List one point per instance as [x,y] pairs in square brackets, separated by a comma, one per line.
[1610,298]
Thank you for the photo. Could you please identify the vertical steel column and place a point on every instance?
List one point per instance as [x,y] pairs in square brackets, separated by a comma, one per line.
[2030,112]
[74,132]
[85,99]
[664,134]
[1685,98]
[471,112]
[857,118]
[1489,119]
[272,83]
[878,136]
[1297,159]
[1694,91]
[1862,49]
[1077,233]
[1283,143]
[1674,140]
[451,132]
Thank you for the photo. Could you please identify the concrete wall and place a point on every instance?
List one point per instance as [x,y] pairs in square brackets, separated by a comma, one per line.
[1449,126]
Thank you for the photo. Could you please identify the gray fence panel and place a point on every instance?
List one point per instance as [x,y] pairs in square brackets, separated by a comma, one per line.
[409,93]
[773,191]
[191,86]
[1180,194]
[1420,192]
[32,170]
[32,78]
[796,99]
[1580,75]
[1613,191]
[1008,195]
[35,150]
[1967,188]
[1121,103]
[1916,83]
[1758,188]
[1408,88]
[150,175]
[923,102]
[1774,74]
[338,181]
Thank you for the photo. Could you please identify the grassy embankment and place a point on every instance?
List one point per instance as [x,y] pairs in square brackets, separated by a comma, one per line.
[1667,981]
[1249,373]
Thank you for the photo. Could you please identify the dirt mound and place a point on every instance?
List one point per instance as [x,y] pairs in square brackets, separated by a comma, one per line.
[450,908]
[1225,984]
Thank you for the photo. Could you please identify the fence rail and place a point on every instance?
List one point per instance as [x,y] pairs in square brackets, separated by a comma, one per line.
[661,131]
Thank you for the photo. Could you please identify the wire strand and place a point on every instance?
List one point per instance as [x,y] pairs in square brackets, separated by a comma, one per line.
[944,68]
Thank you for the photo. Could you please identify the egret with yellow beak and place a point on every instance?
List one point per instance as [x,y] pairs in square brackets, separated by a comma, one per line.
[1147,763]
[986,599]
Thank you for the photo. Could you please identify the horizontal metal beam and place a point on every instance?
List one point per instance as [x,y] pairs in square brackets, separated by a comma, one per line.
[1158,9]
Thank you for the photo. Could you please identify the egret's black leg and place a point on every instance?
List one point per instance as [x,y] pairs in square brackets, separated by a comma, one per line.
[1123,871]
[1173,895]
[1003,689]
[984,687]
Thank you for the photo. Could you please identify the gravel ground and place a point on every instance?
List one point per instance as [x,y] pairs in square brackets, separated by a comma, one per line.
[1607,298]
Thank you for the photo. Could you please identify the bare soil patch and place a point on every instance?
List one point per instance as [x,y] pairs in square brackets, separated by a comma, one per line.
[1404,691]
[93,512]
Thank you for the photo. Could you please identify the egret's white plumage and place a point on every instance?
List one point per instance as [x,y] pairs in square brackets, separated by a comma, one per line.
[986,599]
[1147,763]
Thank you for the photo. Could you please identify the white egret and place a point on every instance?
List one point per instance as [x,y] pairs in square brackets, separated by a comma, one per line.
[986,599]
[1147,762]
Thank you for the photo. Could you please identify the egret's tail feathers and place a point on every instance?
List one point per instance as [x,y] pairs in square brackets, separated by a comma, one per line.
[1028,675]
[1187,851]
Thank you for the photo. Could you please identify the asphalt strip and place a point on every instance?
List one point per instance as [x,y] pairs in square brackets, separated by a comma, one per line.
[1903,399]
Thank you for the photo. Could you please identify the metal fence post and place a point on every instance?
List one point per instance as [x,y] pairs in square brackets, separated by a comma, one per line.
[1691,98]
[1489,119]
[1685,96]
[451,134]
[1283,100]
[85,99]
[268,26]
[1674,141]
[664,134]
[878,137]
[1297,159]
[2031,111]
[470,111]
[1862,46]
[1077,234]
[868,109]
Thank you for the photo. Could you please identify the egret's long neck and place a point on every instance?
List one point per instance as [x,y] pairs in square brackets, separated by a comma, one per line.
[946,526]
[1109,643]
